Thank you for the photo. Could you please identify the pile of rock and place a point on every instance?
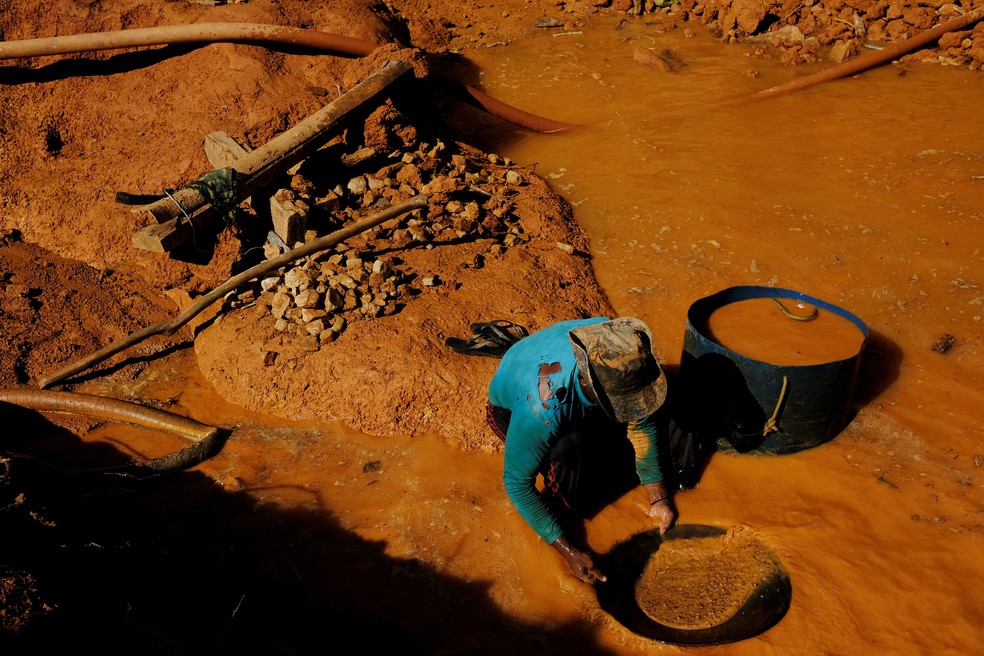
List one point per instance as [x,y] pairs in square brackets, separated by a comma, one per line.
[320,294]
[636,7]
[965,47]
[315,297]
[803,29]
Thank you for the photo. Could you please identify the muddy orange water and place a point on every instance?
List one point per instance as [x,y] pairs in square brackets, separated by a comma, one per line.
[865,193]
[760,329]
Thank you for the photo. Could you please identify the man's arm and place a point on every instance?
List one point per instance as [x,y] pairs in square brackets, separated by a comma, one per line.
[580,562]
[660,506]
[521,490]
[524,452]
[645,436]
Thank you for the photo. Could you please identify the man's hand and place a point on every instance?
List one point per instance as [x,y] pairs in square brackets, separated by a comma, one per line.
[664,513]
[580,562]
[661,506]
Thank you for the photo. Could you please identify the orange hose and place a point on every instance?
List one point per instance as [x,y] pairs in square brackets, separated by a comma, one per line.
[207,440]
[249,33]
[106,408]
[870,60]
[174,34]
[515,115]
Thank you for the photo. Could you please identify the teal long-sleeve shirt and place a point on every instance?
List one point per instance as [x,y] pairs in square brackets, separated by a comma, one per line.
[537,381]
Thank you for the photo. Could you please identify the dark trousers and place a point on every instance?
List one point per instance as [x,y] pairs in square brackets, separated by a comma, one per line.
[589,465]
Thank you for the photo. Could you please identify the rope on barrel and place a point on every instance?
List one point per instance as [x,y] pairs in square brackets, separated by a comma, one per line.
[771,424]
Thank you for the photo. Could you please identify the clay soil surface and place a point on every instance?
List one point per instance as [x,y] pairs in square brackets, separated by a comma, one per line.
[194,561]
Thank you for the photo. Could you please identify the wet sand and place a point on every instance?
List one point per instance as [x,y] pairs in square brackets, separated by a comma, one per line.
[879,528]
[869,199]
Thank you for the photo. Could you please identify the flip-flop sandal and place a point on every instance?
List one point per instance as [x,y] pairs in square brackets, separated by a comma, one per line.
[477,345]
[500,325]
[501,331]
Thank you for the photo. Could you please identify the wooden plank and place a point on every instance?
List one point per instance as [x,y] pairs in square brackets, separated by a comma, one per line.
[222,150]
[257,168]
[166,235]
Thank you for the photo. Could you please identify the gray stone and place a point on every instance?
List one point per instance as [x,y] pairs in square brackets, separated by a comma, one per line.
[289,216]
[382,267]
[334,300]
[298,279]
[842,51]
[308,298]
[281,302]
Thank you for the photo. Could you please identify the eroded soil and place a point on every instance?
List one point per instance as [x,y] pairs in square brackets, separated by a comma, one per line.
[165,564]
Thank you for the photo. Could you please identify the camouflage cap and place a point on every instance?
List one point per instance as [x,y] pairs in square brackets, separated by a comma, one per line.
[617,359]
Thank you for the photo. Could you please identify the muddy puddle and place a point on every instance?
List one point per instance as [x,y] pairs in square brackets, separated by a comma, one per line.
[864,193]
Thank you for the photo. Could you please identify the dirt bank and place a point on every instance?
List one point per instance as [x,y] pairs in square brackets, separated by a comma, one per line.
[495,242]
[78,130]
[260,573]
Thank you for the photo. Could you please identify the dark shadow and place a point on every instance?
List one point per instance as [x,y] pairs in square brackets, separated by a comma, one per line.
[179,565]
[715,400]
[686,450]
[592,467]
[880,366]
[80,66]
[596,466]
[92,374]
[29,432]
[447,97]
[326,164]
[709,404]
[200,246]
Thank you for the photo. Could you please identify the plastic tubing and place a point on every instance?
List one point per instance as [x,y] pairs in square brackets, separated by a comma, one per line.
[251,33]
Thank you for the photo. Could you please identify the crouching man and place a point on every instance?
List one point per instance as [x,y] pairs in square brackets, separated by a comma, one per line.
[579,402]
